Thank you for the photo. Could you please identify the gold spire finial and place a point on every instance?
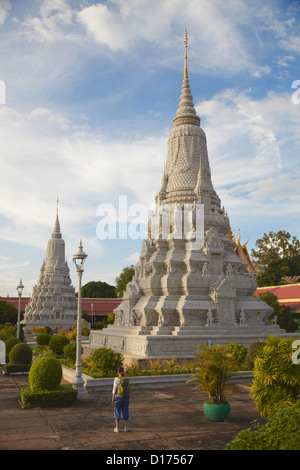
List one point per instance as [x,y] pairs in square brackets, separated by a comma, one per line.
[185,57]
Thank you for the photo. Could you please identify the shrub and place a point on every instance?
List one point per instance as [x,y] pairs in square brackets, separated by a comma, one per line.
[70,351]
[106,360]
[281,432]
[57,344]
[45,374]
[239,352]
[13,368]
[251,354]
[43,339]
[20,353]
[62,395]
[276,379]
[10,343]
[38,329]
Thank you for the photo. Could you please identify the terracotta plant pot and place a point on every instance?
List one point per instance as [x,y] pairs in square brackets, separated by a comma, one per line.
[215,412]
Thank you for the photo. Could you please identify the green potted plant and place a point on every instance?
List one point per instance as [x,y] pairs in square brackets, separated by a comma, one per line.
[214,368]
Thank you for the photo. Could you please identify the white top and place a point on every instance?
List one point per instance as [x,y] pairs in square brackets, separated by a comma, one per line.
[116,385]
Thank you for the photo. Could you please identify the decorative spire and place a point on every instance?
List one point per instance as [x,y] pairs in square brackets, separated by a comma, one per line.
[56,231]
[186,113]
[185,75]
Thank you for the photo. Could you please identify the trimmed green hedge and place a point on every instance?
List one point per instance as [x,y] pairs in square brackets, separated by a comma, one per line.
[63,395]
[13,368]
[57,344]
[43,339]
[9,344]
[20,354]
[45,374]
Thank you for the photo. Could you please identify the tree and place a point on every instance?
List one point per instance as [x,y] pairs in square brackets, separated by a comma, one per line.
[123,279]
[277,256]
[283,312]
[98,289]
[8,313]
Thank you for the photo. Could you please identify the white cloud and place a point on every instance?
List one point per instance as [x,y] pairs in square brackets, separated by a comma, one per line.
[261,71]
[253,149]
[5,6]
[54,14]
[42,158]
[216,29]
[133,258]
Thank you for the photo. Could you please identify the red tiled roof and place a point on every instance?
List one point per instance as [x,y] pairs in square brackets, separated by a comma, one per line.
[288,294]
[101,306]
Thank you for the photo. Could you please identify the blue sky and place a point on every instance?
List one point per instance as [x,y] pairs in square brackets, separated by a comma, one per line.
[91,89]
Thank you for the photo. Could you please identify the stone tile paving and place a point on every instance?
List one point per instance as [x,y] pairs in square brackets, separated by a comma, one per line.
[166,419]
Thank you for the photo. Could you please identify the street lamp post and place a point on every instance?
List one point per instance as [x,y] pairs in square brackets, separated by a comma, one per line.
[78,382]
[92,307]
[20,288]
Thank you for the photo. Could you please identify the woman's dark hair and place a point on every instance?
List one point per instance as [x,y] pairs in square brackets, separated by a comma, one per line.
[120,370]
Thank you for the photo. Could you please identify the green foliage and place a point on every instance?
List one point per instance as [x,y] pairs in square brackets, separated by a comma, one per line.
[100,325]
[98,289]
[20,353]
[10,343]
[251,354]
[110,318]
[57,344]
[284,314]
[70,351]
[155,366]
[172,365]
[106,360]
[62,395]
[277,255]
[45,374]
[43,339]
[281,432]
[8,313]
[123,279]
[214,369]
[12,368]
[239,352]
[134,369]
[276,379]
[7,331]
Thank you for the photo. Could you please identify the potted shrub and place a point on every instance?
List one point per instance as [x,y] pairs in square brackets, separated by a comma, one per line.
[214,368]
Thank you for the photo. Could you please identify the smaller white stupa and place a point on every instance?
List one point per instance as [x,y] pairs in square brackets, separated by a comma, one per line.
[53,301]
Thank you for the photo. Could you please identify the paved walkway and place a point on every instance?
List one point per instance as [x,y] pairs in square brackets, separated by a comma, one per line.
[160,419]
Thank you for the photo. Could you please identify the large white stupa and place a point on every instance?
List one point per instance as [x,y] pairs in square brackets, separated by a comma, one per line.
[53,301]
[192,289]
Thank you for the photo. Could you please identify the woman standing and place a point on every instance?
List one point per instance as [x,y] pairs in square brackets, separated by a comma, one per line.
[120,399]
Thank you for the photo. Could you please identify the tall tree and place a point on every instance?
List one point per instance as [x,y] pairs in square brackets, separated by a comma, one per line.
[98,289]
[277,255]
[123,279]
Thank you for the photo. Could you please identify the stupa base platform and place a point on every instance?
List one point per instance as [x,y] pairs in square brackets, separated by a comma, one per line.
[142,343]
